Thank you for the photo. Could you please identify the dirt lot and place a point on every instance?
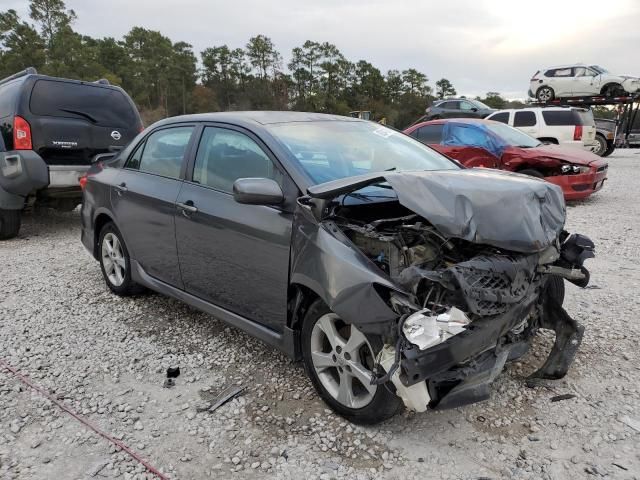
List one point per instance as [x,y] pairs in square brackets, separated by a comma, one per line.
[105,357]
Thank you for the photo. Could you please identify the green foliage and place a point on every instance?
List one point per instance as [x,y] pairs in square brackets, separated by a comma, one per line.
[163,77]
[494,100]
[444,88]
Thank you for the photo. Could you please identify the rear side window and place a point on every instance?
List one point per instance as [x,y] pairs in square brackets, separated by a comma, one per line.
[429,133]
[559,72]
[8,98]
[561,118]
[226,155]
[162,152]
[524,119]
[97,105]
[450,105]
[502,117]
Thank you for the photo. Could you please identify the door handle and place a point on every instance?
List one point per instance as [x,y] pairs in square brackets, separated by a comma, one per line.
[187,207]
[122,188]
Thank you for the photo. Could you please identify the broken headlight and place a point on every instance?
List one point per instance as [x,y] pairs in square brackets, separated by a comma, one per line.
[568,169]
[426,329]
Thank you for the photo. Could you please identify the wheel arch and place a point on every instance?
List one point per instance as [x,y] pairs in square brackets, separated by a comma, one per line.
[101,219]
[608,85]
[550,139]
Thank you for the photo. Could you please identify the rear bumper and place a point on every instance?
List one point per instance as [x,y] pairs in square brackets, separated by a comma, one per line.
[576,187]
[61,176]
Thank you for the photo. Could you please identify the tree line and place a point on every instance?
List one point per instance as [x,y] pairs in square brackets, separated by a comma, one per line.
[166,78]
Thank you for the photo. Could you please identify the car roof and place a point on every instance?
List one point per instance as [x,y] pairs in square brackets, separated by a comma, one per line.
[253,118]
[566,65]
[541,109]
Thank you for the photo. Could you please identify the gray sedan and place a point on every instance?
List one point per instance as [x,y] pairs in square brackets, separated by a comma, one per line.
[394,274]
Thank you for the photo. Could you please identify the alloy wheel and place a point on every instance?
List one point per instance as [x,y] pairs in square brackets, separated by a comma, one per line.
[343,360]
[544,94]
[113,259]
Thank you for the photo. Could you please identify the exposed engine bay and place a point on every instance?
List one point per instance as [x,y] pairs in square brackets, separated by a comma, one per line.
[455,284]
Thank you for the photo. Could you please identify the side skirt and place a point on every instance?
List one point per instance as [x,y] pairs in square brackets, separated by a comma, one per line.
[285,342]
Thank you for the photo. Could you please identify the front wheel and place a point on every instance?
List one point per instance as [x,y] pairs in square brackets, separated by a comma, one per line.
[9,223]
[339,360]
[115,262]
[531,172]
[609,150]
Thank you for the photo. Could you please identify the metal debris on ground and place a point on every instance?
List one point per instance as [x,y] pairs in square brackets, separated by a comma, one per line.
[168,383]
[173,372]
[565,396]
[227,394]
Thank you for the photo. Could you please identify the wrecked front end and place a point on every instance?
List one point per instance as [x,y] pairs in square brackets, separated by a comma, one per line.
[455,271]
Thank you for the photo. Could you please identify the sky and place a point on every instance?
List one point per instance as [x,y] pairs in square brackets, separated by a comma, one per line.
[479,45]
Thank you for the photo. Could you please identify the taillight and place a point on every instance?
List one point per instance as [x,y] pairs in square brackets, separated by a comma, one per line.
[535,76]
[21,134]
[97,168]
[83,181]
[577,132]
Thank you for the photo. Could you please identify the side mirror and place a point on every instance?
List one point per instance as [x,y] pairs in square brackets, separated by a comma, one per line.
[257,191]
[474,109]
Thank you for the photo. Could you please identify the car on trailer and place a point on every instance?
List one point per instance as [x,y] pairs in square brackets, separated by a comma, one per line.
[52,128]
[490,144]
[578,79]
[393,273]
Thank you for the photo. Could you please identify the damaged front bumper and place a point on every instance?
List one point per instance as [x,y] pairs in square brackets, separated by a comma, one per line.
[456,368]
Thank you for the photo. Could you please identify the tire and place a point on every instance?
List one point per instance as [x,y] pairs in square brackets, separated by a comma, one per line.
[613,90]
[601,148]
[531,172]
[115,263]
[609,150]
[545,94]
[67,205]
[9,223]
[330,364]
[555,288]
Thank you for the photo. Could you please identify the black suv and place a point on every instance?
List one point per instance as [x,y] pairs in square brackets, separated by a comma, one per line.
[50,130]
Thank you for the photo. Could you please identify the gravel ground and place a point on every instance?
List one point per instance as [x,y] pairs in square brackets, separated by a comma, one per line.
[105,357]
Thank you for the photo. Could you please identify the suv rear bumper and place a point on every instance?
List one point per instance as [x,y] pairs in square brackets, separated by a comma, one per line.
[61,176]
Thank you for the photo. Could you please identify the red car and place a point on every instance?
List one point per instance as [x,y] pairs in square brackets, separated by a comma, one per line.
[485,143]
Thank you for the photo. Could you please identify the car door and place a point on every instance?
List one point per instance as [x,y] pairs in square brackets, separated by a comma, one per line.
[468,144]
[143,200]
[468,109]
[234,255]
[450,109]
[584,82]
[562,81]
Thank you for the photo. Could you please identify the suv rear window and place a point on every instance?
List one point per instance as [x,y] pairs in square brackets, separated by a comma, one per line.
[98,105]
[561,117]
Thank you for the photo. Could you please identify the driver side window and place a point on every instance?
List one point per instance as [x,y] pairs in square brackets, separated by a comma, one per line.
[466,106]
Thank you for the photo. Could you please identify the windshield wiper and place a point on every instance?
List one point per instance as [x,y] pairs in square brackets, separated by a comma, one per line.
[82,114]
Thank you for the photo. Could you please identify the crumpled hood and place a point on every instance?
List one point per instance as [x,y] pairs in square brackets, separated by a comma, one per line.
[502,209]
[566,154]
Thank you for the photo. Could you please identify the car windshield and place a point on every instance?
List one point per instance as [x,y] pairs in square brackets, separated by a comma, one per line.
[328,150]
[599,69]
[512,136]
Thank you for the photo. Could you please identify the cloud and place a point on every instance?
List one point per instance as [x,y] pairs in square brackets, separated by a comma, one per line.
[480,45]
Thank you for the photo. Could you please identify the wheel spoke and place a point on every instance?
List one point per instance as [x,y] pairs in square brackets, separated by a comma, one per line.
[108,265]
[327,325]
[356,340]
[119,274]
[322,360]
[345,390]
[109,246]
[120,262]
[363,375]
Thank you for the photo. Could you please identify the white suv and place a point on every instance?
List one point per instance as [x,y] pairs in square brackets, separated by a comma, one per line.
[579,80]
[568,126]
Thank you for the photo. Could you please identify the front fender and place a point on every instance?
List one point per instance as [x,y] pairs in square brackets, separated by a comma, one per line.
[324,261]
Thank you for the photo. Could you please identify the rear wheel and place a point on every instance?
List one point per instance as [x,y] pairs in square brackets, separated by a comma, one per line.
[531,172]
[609,150]
[9,223]
[613,90]
[339,360]
[545,94]
[115,262]
[601,146]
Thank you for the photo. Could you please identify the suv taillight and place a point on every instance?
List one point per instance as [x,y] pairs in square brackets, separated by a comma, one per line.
[577,132]
[535,76]
[21,134]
